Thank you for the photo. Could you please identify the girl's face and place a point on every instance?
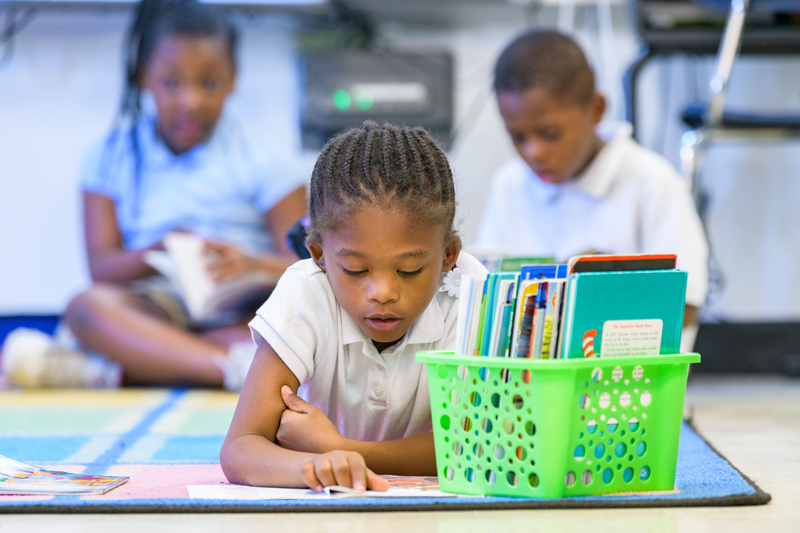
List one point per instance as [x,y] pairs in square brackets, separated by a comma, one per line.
[384,268]
[190,78]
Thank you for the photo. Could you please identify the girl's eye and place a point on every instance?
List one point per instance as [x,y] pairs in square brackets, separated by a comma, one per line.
[354,273]
[211,85]
[551,136]
[171,84]
[407,274]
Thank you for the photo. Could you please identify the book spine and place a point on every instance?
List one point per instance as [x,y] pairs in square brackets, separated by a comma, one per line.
[522,349]
[558,314]
[502,342]
[568,311]
[464,312]
[537,335]
[482,319]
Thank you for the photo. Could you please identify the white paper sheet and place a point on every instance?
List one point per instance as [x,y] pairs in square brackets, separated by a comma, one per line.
[242,492]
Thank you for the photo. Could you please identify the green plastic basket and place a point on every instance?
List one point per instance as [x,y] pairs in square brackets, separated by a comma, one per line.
[556,428]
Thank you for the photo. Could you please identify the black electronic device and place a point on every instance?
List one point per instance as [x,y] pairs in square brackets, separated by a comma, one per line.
[342,89]
[695,26]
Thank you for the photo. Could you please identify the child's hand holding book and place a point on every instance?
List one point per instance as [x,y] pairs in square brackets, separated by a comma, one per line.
[224,261]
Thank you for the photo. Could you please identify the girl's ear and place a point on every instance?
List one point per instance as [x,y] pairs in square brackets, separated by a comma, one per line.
[316,254]
[451,253]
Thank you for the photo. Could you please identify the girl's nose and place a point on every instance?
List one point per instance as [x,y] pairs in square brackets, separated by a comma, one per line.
[533,151]
[382,289]
[191,97]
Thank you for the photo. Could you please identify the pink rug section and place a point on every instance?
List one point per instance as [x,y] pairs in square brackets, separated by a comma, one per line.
[160,481]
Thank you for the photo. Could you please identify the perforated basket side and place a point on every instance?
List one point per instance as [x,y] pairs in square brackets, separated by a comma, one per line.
[626,427]
[532,428]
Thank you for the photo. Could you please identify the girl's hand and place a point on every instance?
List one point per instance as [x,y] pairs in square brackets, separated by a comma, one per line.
[346,469]
[226,261]
[305,428]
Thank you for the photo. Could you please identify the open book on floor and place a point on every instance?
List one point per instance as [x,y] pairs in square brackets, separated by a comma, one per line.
[21,478]
[184,263]
[399,487]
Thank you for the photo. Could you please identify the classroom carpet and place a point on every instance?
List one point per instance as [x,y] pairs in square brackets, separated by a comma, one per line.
[167,439]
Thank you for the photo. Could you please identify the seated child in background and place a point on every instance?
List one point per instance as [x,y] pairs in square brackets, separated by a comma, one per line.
[344,326]
[184,167]
[573,189]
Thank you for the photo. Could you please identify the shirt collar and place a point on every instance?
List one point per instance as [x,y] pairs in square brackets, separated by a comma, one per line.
[597,178]
[156,153]
[429,327]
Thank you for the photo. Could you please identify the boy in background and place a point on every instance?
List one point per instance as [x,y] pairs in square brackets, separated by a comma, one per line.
[576,187]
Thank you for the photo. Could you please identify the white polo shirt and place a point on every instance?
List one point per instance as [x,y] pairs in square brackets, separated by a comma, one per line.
[628,200]
[369,396]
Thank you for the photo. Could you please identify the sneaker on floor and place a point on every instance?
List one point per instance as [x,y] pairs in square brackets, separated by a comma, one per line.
[237,364]
[32,359]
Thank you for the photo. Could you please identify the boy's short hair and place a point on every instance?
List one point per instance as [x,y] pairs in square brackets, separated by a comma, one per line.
[545,59]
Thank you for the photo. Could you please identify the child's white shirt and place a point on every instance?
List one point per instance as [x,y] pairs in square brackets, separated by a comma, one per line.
[369,396]
[628,200]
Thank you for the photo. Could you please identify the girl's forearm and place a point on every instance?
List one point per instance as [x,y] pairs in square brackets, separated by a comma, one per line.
[254,460]
[119,265]
[275,263]
[411,456]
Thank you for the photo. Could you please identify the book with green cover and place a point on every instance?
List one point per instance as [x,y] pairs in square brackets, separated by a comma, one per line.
[615,314]
[509,264]
[486,310]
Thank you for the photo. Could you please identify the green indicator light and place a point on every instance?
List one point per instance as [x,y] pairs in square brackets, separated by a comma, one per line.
[342,100]
[364,100]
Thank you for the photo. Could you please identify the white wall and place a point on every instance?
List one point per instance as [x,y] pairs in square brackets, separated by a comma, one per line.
[59,94]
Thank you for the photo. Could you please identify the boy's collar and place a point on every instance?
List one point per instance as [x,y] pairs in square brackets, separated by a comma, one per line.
[598,177]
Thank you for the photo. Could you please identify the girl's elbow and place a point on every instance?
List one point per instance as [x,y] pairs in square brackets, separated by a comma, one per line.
[227,460]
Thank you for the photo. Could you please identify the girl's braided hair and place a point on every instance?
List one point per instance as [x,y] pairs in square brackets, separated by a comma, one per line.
[390,166]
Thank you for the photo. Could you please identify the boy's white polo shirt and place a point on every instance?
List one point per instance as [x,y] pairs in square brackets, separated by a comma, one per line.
[628,200]
[369,396]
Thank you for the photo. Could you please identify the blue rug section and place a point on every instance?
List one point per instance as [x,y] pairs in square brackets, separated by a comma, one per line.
[113,454]
[189,450]
[42,449]
[46,323]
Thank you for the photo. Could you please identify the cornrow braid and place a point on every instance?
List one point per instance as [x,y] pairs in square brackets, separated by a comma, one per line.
[391,166]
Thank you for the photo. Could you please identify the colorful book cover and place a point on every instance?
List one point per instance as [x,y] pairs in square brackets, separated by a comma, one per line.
[526,288]
[537,333]
[21,478]
[522,347]
[616,314]
[550,317]
[543,272]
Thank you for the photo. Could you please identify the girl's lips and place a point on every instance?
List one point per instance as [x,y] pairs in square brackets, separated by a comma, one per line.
[383,324]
